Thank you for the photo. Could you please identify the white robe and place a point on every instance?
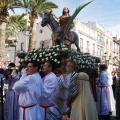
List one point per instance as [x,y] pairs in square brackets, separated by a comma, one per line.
[30,90]
[110,97]
[11,106]
[50,87]
[83,107]
[102,104]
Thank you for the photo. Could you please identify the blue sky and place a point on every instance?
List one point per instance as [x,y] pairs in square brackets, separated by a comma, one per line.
[104,12]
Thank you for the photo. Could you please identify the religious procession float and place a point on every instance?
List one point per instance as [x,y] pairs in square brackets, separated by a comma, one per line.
[61,48]
[61,51]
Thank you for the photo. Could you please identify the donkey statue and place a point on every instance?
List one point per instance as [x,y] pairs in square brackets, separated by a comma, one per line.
[58,32]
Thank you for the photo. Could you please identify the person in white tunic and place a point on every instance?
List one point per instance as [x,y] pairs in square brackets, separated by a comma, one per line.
[50,87]
[11,106]
[110,96]
[29,89]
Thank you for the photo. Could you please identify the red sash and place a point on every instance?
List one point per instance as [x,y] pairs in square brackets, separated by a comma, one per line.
[45,107]
[24,107]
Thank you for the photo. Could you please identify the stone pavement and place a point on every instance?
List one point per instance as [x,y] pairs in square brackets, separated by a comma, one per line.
[0,106]
[112,117]
[0,112]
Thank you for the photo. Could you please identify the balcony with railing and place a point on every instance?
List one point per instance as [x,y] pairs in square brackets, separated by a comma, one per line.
[84,29]
[100,43]
[88,50]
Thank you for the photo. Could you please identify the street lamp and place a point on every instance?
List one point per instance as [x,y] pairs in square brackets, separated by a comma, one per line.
[105,59]
[116,62]
[42,44]
[15,44]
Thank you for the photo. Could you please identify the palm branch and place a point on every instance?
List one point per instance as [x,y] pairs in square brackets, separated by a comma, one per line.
[73,17]
[73,93]
[55,117]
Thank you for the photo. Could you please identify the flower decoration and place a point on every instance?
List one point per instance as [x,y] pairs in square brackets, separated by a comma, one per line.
[21,54]
[84,61]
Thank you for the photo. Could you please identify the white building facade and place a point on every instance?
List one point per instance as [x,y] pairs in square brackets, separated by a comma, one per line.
[87,38]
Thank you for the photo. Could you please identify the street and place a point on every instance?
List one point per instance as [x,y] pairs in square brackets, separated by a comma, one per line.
[112,117]
[0,110]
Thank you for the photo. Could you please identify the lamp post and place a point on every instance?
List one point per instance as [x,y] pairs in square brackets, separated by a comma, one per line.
[116,62]
[106,60]
[42,44]
[15,44]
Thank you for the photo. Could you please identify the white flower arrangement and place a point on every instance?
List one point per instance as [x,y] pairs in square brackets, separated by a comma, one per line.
[83,61]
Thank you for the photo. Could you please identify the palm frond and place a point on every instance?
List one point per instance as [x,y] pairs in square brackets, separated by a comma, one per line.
[22,16]
[11,4]
[59,97]
[23,3]
[55,117]
[73,17]
[46,6]
[13,25]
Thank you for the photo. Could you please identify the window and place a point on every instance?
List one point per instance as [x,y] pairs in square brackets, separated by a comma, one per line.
[101,38]
[35,43]
[106,41]
[110,44]
[42,43]
[98,37]
[88,46]
[93,49]
[101,52]
[98,51]
[22,46]
[81,43]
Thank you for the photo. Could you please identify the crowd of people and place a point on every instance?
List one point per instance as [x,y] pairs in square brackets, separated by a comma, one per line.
[36,93]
